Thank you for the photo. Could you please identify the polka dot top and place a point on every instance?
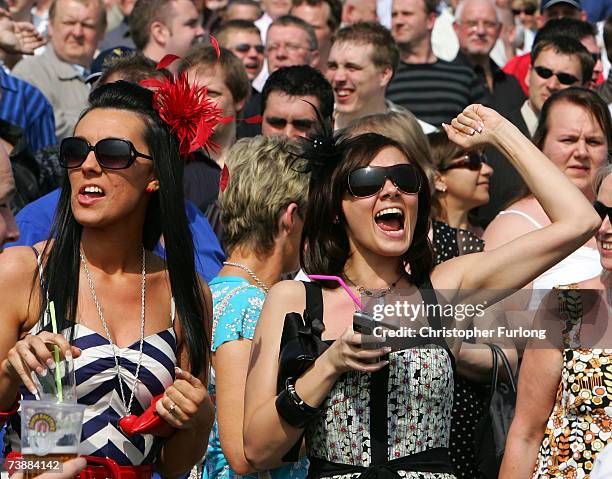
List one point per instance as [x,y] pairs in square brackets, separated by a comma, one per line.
[449,242]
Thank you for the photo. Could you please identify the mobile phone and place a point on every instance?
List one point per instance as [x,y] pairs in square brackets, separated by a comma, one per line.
[363,323]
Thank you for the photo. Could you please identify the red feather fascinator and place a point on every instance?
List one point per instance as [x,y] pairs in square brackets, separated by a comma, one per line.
[191,115]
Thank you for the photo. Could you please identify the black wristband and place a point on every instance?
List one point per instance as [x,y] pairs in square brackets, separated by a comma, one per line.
[291,407]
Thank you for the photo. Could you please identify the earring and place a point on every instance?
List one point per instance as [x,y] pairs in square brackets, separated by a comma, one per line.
[336,220]
[442,188]
[152,187]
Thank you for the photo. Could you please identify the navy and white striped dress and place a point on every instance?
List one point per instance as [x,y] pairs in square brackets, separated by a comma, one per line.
[98,388]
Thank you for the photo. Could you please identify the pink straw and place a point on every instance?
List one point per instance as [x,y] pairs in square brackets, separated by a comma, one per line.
[340,281]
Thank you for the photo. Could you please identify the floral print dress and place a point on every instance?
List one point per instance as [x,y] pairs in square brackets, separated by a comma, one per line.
[580,424]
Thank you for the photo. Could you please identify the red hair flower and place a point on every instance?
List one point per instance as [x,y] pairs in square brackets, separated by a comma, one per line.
[191,115]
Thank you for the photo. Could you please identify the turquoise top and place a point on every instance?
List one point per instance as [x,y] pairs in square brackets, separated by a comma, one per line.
[234,319]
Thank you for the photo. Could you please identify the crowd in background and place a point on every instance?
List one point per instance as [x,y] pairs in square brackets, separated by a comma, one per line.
[485,126]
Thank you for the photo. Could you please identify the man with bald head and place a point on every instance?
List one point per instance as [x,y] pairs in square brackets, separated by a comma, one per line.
[8,228]
[478,26]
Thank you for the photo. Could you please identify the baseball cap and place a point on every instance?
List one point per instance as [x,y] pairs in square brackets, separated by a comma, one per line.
[549,3]
[97,66]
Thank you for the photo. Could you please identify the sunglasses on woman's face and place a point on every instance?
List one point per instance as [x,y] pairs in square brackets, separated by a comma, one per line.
[603,210]
[111,153]
[527,11]
[369,180]
[472,161]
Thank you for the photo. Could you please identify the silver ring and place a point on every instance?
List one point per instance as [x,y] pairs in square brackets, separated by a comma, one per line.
[172,408]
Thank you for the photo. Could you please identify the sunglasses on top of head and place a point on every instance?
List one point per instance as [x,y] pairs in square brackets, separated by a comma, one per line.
[564,78]
[369,180]
[111,153]
[603,210]
[472,161]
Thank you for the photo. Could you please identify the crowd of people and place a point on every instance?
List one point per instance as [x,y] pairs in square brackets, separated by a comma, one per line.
[196,185]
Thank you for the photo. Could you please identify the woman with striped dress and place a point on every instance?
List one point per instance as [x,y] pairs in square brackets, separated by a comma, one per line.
[136,324]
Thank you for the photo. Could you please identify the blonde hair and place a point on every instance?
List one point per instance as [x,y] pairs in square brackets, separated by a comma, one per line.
[265,176]
[403,128]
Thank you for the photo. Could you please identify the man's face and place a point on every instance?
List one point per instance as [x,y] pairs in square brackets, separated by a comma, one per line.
[286,46]
[75,31]
[8,227]
[410,23]
[355,79]
[213,78]
[541,88]
[317,16]
[289,116]
[249,13]
[478,28]
[247,46]
[591,45]
[276,8]
[184,28]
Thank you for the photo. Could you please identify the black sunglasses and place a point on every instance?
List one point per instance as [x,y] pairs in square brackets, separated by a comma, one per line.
[526,11]
[245,47]
[472,161]
[596,57]
[603,210]
[299,124]
[111,153]
[564,78]
[369,180]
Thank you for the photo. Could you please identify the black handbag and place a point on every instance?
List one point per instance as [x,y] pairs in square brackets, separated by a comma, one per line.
[301,345]
[492,429]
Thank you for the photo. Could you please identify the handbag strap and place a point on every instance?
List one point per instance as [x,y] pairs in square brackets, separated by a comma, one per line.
[314,302]
[498,353]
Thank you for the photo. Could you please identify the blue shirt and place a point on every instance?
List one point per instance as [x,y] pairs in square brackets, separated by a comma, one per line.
[236,308]
[24,105]
[35,220]
[597,10]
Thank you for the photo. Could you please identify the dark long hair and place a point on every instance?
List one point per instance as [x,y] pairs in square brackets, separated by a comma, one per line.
[165,216]
[325,245]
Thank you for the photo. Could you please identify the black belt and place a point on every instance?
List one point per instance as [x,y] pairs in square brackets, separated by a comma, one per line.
[431,460]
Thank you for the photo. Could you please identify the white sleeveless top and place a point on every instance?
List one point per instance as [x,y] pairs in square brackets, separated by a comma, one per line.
[582,264]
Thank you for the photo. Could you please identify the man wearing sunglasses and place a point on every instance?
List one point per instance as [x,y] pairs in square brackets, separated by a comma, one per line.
[243,39]
[558,62]
[289,99]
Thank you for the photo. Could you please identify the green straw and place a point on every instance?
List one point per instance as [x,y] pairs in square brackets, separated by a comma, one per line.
[56,356]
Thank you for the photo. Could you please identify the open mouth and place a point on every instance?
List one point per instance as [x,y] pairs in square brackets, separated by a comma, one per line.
[343,94]
[91,192]
[390,220]
[606,245]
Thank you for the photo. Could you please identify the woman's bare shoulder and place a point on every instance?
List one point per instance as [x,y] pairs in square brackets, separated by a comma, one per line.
[16,261]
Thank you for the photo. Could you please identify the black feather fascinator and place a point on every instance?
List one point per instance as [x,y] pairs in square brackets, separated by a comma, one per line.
[320,152]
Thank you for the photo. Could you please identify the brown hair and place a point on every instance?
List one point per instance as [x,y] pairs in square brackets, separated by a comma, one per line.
[234,74]
[226,29]
[335,10]
[583,97]
[144,13]
[325,244]
[384,49]
[442,151]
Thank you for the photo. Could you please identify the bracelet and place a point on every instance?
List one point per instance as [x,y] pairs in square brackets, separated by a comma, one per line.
[292,408]
[4,415]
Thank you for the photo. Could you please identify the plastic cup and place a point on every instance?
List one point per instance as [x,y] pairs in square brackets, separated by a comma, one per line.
[47,384]
[50,431]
